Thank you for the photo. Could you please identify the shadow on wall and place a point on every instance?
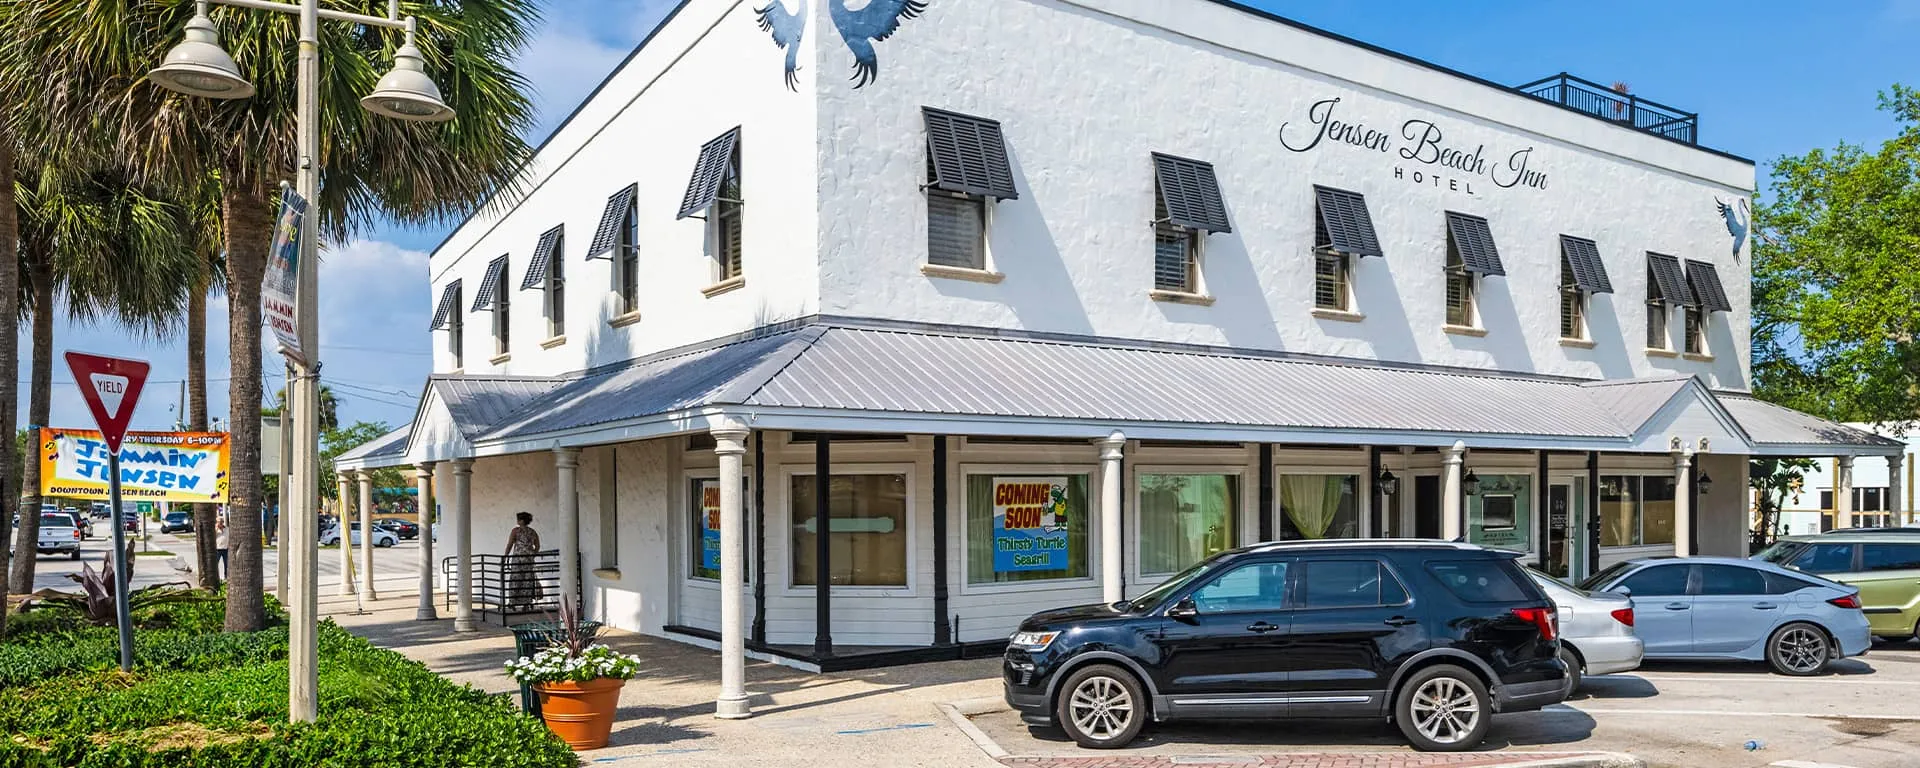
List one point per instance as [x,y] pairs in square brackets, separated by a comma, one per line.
[1504,333]
[1386,327]
[1243,312]
[1038,289]
[1726,364]
[1603,323]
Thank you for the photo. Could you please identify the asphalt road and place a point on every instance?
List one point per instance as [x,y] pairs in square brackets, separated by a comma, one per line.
[396,567]
[1864,714]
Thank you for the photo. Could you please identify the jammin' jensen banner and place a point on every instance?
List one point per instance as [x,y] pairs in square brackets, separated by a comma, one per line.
[1029,524]
[154,466]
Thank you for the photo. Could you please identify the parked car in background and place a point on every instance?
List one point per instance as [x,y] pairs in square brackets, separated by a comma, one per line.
[57,535]
[1883,562]
[1726,609]
[1432,636]
[98,511]
[177,522]
[381,536]
[405,529]
[1596,630]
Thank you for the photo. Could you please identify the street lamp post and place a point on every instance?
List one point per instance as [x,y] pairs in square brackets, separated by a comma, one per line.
[199,67]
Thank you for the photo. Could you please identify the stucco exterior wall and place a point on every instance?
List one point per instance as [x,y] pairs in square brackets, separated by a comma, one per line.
[1086,90]
[1726,514]
[646,125]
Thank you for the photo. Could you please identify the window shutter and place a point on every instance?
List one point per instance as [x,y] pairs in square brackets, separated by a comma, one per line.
[1344,224]
[607,234]
[716,158]
[1191,193]
[489,294]
[1473,240]
[1172,259]
[541,264]
[1666,274]
[1583,259]
[969,155]
[1705,282]
[449,297]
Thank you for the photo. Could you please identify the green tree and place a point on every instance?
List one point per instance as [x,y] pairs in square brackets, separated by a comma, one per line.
[329,408]
[1778,480]
[88,61]
[108,248]
[1836,298]
[343,439]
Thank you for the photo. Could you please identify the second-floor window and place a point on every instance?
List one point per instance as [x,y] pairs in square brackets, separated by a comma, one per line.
[617,239]
[967,172]
[547,272]
[1342,233]
[1470,255]
[447,315]
[1708,297]
[715,193]
[492,297]
[1187,207]
[1582,274]
[1330,281]
[1696,331]
[1666,287]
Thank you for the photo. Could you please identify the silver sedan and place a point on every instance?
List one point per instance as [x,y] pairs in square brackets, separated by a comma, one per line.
[1596,630]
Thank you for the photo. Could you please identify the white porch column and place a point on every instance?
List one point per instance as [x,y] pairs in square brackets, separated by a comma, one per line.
[344,514]
[366,534]
[1452,514]
[1683,503]
[423,480]
[730,443]
[1896,490]
[1112,448]
[1843,492]
[461,518]
[566,462]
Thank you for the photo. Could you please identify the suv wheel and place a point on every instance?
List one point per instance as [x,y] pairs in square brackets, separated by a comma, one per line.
[1101,707]
[1798,649]
[1443,708]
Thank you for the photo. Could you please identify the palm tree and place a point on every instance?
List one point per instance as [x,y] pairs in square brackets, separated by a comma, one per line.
[202,211]
[9,338]
[329,408]
[111,250]
[88,60]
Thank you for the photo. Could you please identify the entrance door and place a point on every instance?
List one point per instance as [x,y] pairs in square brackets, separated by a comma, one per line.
[1560,549]
[1426,506]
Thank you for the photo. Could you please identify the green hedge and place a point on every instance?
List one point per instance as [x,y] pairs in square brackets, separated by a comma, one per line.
[201,699]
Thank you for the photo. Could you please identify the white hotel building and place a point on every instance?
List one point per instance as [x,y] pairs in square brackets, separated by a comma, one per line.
[1211,276]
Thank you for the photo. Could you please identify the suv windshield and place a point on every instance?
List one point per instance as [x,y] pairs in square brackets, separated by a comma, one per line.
[1780,552]
[1154,596]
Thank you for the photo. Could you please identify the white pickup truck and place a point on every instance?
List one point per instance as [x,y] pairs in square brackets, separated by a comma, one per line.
[58,535]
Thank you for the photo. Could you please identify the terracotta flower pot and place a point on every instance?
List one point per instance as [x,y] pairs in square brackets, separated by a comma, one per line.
[581,714]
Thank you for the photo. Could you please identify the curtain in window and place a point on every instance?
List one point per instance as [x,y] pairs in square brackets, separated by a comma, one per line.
[980,532]
[1185,519]
[1314,503]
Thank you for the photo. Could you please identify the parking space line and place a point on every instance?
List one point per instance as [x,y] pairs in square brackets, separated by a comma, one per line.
[1724,713]
[1767,679]
[1806,764]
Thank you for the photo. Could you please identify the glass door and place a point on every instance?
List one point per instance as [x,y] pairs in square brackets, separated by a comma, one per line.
[1565,550]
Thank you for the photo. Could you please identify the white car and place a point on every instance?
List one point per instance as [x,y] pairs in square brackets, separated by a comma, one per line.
[381,537]
[1596,630]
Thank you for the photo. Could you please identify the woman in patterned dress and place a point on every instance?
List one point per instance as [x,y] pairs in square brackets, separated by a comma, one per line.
[523,588]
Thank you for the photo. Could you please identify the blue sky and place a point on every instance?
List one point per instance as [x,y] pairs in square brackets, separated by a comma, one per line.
[1767,77]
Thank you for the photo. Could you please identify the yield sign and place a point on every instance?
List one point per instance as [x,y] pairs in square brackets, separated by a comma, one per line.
[111,386]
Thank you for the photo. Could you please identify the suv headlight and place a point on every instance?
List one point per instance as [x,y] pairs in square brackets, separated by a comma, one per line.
[1031,641]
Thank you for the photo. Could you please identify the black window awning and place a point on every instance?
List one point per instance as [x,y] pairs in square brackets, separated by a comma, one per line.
[1343,224]
[607,235]
[709,172]
[1582,258]
[490,295]
[1667,278]
[1705,282]
[542,256]
[449,304]
[968,155]
[1190,192]
[1473,240]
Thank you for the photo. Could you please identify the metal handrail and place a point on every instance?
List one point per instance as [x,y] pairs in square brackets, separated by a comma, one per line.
[1591,98]
[506,586]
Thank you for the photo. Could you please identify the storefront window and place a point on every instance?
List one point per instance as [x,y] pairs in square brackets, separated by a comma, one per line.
[1185,519]
[1636,510]
[1500,515]
[1321,506]
[867,534]
[703,538]
[1026,528]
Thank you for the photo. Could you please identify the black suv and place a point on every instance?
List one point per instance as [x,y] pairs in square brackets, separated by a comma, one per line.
[1433,636]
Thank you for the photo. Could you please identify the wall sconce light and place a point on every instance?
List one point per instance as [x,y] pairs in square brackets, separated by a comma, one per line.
[1471,483]
[1386,483]
[1706,483]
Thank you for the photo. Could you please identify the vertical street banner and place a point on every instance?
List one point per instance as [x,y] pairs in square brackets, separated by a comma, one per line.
[1030,524]
[278,289]
[180,467]
[710,524]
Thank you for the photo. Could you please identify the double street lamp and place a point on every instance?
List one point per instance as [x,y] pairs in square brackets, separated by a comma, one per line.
[198,66]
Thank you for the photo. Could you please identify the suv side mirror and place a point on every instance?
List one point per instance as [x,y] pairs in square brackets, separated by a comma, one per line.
[1184,609]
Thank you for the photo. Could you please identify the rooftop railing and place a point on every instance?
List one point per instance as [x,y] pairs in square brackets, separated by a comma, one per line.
[1614,106]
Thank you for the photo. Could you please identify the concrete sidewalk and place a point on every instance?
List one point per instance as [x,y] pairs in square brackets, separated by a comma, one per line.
[885,717]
